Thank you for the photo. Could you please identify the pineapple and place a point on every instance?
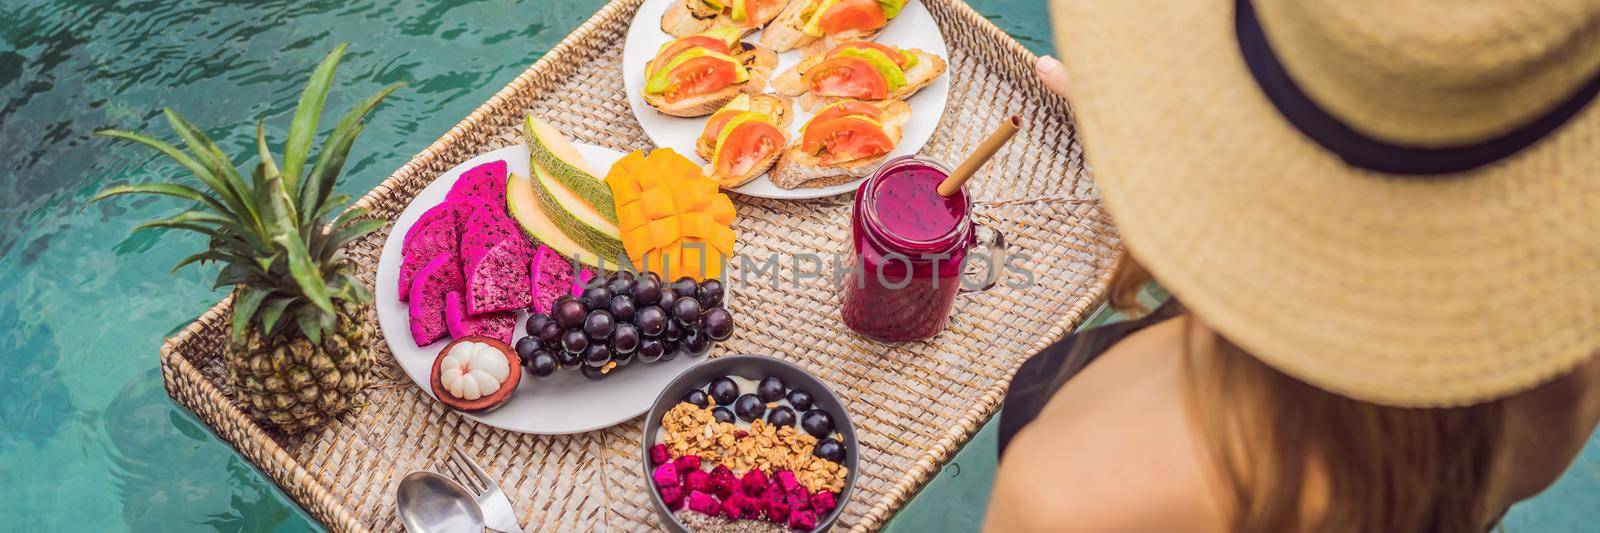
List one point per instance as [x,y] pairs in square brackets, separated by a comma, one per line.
[301,346]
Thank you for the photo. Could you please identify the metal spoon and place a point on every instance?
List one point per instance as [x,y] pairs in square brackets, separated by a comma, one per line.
[431,503]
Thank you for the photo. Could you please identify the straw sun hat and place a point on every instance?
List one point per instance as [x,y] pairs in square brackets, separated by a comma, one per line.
[1393,200]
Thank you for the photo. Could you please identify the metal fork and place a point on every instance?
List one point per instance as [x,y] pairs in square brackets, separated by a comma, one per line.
[497,511]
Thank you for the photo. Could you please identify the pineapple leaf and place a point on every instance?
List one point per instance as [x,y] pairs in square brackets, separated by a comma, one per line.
[330,161]
[303,127]
[220,166]
[244,307]
[353,231]
[333,203]
[310,326]
[200,171]
[271,311]
[270,167]
[196,221]
[208,255]
[165,189]
[303,269]
[239,273]
[358,291]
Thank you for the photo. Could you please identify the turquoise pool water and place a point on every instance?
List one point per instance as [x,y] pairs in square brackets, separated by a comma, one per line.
[88,439]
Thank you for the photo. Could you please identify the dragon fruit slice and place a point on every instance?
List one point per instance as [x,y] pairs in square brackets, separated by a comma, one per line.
[433,234]
[486,181]
[581,282]
[500,279]
[552,277]
[485,227]
[500,325]
[427,300]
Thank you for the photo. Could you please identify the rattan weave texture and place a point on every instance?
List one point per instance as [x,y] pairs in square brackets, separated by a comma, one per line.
[913,405]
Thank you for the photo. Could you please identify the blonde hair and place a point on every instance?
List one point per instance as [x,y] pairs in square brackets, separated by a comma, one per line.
[1367,467]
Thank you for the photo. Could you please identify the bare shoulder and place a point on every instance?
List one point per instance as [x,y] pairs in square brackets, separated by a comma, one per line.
[1115,451]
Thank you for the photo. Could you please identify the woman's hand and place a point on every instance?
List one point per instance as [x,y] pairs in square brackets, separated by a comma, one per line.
[1052,74]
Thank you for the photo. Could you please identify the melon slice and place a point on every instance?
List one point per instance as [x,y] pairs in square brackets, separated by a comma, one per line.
[499,279]
[486,181]
[552,151]
[525,210]
[459,323]
[433,234]
[576,218]
[551,277]
[439,277]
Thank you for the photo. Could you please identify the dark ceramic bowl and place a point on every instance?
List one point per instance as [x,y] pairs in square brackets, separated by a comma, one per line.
[753,367]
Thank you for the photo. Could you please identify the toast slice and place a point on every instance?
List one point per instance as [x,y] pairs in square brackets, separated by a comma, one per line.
[780,108]
[790,83]
[799,170]
[786,32]
[688,17]
[759,59]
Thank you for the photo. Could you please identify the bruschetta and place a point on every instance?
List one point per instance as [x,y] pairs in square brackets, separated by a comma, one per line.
[828,22]
[688,17]
[841,143]
[695,75]
[860,70]
[743,139]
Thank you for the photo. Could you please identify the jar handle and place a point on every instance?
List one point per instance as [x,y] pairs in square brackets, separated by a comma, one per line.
[995,241]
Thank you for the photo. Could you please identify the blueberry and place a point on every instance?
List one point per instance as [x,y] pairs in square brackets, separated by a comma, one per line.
[800,400]
[526,346]
[569,312]
[722,414]
[723,390]
[710,293]
[697,397]
[829,449]
[652,321]
[695,342]
[817,423]
[686,311]
[625,338]
[541,364]
[622,307]
[650,350]
[574,341]
[781,416]
[536,323]
[718,323]
[599,325]
[749,407]
[597,297]
[770,389]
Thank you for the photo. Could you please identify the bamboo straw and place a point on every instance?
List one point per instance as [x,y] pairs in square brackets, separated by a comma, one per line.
[985,151]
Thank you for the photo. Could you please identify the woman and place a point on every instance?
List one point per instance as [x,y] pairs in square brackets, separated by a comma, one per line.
[1381,224]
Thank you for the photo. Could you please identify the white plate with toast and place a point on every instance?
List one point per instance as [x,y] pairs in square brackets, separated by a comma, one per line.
[913,28]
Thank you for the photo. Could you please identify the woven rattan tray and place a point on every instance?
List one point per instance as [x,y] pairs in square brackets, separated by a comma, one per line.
[913,404]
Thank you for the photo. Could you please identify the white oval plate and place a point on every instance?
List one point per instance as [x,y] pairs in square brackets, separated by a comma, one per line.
[564,403]
[913,28]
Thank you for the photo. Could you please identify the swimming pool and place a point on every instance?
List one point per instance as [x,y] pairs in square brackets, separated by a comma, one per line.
[90,440]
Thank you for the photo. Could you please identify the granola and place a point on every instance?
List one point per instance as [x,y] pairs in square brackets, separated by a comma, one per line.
[690,430]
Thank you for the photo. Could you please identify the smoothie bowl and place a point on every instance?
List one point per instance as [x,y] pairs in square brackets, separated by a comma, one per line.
[748,443]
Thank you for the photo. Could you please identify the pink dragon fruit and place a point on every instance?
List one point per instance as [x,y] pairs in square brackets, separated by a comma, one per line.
[688,463]
[697,481]
[499,325]
[485,226]
[722,481]
[581,282]
[823,502]
[703,503]
[486,181]
[777,512]
[433,234]
[665,475]
[498,279]
[427,300]
[754,482]
[731,508]
[802,520]
[659,455]
[552,276]
[673,497]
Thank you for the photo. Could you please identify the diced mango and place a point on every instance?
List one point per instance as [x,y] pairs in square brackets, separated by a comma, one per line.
[722,238]
[665,231]
[721,209]
[658,203]
[630,216]
[636,242]
[625,190]
[696,224]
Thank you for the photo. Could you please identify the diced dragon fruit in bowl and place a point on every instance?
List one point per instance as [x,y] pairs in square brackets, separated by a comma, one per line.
[783,471]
